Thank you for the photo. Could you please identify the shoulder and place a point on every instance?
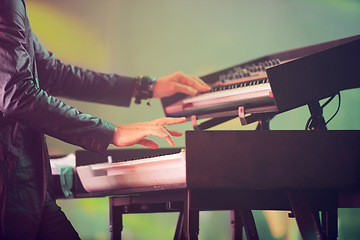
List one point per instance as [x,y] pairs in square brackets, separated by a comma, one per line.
[12,12]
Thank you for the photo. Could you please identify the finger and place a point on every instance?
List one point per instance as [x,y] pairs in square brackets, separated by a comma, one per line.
[172,121]
[186,89]
[174,132]
[162,133]
[194,82]
[201,83]
[148,143]
[167,121]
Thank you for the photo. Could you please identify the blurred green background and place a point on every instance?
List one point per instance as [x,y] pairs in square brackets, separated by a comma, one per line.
[158,37]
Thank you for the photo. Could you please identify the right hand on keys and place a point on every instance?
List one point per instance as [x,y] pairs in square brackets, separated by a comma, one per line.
[130,134]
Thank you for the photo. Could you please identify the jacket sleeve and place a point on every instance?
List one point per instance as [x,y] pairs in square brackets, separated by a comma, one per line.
[73,82]
[23,99]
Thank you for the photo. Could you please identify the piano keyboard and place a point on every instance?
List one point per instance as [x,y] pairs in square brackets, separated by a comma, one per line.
[242,85]
[248,70]
[234,93]
[155,172]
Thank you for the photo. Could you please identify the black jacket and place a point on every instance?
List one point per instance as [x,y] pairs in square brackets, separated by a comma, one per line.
[30,80]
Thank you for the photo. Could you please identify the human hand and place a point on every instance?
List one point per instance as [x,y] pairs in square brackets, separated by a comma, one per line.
[130,134]
[178,82]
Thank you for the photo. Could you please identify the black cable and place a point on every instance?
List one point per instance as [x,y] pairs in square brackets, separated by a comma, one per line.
[308,123]
[337,110]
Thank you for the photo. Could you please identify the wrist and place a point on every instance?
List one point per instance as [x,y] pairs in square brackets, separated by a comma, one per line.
[144,88]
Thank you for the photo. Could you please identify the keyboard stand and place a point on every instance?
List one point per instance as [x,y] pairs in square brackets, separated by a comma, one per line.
[240,219]
[305,207]
[263,118]
[298,181]
[209,123]
[263,115]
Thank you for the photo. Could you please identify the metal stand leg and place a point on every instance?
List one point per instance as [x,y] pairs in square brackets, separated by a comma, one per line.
[318,121]
[243,219]
[307,221]
[236,225]
[330,224]
[179,234]
[116,221]
[191,219]
[249,224]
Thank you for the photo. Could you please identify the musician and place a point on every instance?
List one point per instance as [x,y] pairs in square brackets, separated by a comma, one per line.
[30,79]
